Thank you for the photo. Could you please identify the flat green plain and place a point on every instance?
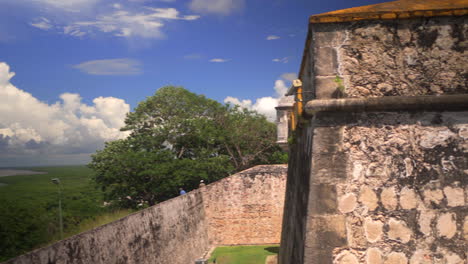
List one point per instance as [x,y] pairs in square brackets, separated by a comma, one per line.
[29,208]
[243,254]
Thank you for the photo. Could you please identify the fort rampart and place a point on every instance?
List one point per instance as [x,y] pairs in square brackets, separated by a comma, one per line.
[386,185]
[245,208]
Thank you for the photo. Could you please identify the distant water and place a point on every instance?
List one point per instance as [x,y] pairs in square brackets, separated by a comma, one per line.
[10,172]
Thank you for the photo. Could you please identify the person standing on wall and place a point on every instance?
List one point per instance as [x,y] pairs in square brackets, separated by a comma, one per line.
[202,184]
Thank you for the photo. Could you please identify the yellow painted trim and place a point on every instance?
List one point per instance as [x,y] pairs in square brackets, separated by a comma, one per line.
[395,10]
[300,105]
[293,120]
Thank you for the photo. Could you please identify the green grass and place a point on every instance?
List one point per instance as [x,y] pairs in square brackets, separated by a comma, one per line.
[99,220]
[243,254]
[29,208]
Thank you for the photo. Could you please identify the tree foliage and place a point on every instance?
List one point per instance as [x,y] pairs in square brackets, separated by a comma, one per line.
[176,139]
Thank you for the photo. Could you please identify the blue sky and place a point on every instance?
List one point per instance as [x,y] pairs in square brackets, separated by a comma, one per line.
[80,65]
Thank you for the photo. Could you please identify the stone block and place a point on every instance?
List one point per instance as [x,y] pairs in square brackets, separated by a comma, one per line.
[346,257]
[425,221]
[322,199]
[408,199]
[355,231]
[326,88]
[421,256]
[396,258]
[326,232]
[329,162]
[373,229]
[328,35]
[433,196]
[347,203]
[388,198]
[325,63]
[455,196]
[446,225]
[373,256]
[398,230]
[452,258]
[368,198]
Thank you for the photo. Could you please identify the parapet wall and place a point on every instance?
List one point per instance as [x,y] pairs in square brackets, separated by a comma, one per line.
[245,208]
[174,231]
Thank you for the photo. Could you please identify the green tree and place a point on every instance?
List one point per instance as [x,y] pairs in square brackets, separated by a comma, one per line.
[176,139]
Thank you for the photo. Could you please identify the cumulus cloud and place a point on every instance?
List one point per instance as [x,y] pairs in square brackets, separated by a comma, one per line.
[67,127]
[220,7]
[42,23]
[110,67]
[265,105]
[272,37]
[218,60]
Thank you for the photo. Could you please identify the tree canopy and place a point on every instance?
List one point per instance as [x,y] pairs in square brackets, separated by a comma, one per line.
[178,138]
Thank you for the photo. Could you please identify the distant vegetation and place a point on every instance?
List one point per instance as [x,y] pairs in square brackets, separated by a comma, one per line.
[28,208]
[177,139]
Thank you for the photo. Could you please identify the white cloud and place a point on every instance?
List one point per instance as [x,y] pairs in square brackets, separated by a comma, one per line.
[118,19]
[67,127]
[124,23]
[221,7]
[42,23]
[289,76]
[265,105]
[110,67]
[280,88]
[218,60]
[272,37]
[235,101]
[283,60]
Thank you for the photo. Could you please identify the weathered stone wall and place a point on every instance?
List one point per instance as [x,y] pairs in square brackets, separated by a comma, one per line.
[382,187]
[404,198]
[171,232]
[394,190]
[386,58]
[247,207]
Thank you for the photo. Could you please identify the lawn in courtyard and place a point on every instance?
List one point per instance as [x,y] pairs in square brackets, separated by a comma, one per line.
[243,254]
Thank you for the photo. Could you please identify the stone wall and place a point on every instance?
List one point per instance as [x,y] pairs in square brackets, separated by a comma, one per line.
[387,58]
[404,198]
[245,208]
[381,187]
[170,232]
[388,188]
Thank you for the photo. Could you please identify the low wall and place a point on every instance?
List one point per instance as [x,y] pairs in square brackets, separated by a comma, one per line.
[170,232]
[245,208]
